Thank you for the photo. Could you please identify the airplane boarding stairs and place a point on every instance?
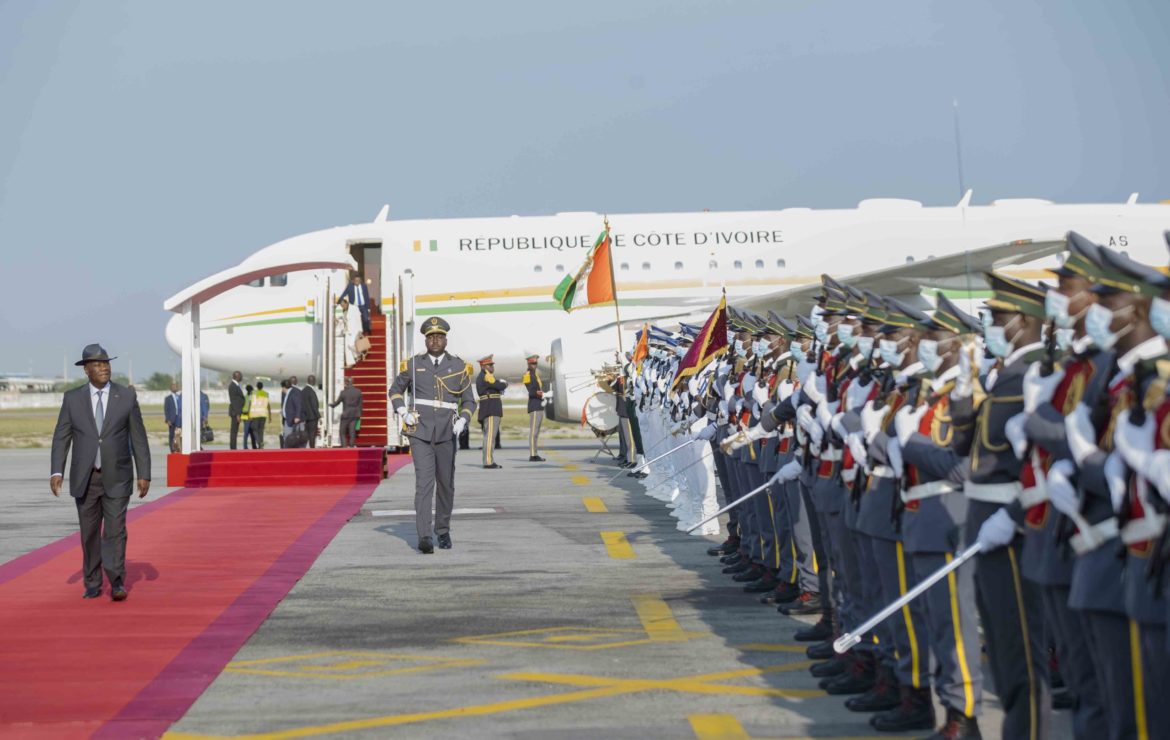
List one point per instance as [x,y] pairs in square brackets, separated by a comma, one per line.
[369,376]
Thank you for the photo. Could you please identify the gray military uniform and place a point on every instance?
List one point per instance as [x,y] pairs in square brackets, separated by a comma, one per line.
[441,392]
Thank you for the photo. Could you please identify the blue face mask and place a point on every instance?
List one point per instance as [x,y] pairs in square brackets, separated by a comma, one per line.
[1056,308]
[845,335]
[1098,325]
[1064,339]
[865,346]
[821,331]
[739,350]
[889,352]
[997,343]
[798,353]
[1160,316]
[928,354]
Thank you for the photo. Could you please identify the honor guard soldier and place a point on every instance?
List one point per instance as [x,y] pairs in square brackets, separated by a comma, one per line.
[490,390]
[441,406]
[535,388]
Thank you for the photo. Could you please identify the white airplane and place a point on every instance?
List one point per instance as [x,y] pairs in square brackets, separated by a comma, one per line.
[493,278]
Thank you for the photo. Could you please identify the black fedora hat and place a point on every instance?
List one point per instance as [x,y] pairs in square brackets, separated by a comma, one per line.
[94,353]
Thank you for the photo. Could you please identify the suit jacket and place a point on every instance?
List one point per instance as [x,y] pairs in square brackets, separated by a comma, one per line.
[292,407]
[350,399]
[449,383]
[235,399]
[122,437]
[351,295]
[310,404]
[171,410]
[490,390]
[535,384]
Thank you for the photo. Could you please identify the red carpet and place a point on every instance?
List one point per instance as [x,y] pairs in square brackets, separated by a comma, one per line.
[204,569]
[275,467]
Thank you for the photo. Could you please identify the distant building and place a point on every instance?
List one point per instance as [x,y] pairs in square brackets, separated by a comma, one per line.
[25,383]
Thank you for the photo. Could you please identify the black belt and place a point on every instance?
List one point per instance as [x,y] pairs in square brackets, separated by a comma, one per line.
[490,395]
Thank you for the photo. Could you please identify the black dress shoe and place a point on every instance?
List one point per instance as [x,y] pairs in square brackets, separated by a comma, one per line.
[806,604]
[957,727]
[785,593]
[818,632]
[884,695]
[731,558]
[118,593]
[493,466]
[751,575]
[834,666]
[92,593]
[425,546]
[535,458]
[914,712]
[444,542]
[820,650]
[766,584]
[727,547]
[859,679]
[738,566]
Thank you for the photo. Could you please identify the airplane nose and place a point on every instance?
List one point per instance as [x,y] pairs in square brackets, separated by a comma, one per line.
[174,334]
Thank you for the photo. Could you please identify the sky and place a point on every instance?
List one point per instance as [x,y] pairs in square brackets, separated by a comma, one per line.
[146,145]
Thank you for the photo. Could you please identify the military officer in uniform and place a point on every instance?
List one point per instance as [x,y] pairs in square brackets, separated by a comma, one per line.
[535,388]
[491,407]
[442,404]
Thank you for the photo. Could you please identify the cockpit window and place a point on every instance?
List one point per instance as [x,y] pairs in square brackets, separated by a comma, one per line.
[257,283]
[278,281]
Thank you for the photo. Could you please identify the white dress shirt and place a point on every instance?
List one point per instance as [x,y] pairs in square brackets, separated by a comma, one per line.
[93,402]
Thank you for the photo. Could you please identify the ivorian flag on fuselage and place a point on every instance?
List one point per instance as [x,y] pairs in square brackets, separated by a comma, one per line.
[593,284]
[709,344]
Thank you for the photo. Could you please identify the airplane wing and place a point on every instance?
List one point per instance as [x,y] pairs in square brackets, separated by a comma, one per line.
[960,271]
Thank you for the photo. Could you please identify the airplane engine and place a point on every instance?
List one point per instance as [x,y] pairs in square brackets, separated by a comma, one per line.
[573,361]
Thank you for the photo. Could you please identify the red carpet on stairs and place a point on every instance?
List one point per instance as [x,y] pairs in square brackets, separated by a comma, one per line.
[276,467]
[205,568]
[369,376]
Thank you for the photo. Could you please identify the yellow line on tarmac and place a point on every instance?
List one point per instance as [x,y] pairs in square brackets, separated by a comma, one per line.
[617,546]
[657,619]
[594,505]
[570,466]
[581,480]
[717,727]
[769,647]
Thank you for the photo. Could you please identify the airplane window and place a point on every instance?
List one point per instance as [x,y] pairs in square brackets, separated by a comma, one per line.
[738,265]
[537,268]
[645,265]
[625,266]
[712,265]
[278,281]
[759,264]
[678,265]
[560,268]
[909,259]
[781,263]
[257,283]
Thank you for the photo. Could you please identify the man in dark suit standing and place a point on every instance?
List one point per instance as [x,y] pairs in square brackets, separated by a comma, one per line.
[171,414]
[359,295]
[311,408]
[235,406]
[294,415]
[350,399]
[102,423]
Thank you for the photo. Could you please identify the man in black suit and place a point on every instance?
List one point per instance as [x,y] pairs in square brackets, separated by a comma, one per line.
[102,423]
[171,414]
[359,295]
[235,406]
[293,411]
[311,408]
[350,399]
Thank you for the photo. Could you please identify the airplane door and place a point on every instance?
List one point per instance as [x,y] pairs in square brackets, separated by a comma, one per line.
[368,256]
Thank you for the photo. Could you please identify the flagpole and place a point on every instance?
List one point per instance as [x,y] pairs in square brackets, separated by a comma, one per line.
[613,284]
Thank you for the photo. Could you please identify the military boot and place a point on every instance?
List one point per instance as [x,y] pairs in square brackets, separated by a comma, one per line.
[834,666]
[766,584]
[915,711]
[884,694]
[749,575]
[782,594]
[820,650]
[860,678]
[957,727]
[728,546]
[739,566]
[822,630]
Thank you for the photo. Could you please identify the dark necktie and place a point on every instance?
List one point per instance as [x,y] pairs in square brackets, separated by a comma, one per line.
[99,418]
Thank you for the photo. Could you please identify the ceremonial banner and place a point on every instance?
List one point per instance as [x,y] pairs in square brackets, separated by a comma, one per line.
[642,350]
[711,342]
[593,284]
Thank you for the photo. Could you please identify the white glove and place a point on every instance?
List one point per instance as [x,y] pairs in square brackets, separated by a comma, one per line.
[785,389]
[409,418]
[460,425]
[1013,429]
[857,447]
[906,422]
[707,433]
[825,413]
[997,531]
[816,389]
[751,435]
[894,455]
[804,417]
[838,426]
[871,421]
[1082,438]
[760,393]
[1133,442]
[1037,388]
[963,387]
[749,383]
[1061,492]
[790,471]
[1115,479]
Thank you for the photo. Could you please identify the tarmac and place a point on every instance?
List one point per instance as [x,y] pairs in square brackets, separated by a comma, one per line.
[569,607]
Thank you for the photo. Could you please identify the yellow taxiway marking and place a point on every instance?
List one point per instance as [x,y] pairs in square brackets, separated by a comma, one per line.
[703,684]
[570,466]
[717,727]
[346,666]
[769,647]
[657,619]
[581,480]
[617,546]
[594,505]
